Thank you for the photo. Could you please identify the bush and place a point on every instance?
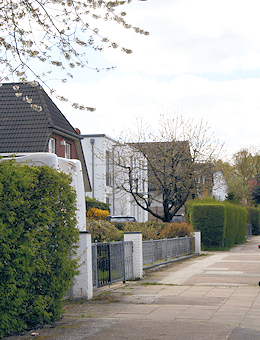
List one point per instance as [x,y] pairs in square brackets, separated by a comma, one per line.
[173,230]
[94,203]
[37,236]
[103,231]
[97,214]
[149,229]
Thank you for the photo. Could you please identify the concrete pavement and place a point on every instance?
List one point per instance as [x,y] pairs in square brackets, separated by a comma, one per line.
[214,296]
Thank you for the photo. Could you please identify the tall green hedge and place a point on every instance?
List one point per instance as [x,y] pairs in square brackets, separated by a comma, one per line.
[37,236]
[254,219]
[220,223]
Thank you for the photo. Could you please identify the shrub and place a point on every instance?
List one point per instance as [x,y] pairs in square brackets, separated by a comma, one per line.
[173,230]
[149,229]
[37,236]
[103,231]
[97,214]
[94,203]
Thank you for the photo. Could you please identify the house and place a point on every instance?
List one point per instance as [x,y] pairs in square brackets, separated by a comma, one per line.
[30,122]
[106,176]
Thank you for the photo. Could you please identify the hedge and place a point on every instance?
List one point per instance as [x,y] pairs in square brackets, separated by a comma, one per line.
[37,236]
[254,219]
[220,223]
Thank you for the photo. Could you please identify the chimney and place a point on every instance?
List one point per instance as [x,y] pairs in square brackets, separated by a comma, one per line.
[78,131]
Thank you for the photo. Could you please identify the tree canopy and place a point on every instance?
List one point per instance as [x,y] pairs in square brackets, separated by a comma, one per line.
[244,167]
[43,37]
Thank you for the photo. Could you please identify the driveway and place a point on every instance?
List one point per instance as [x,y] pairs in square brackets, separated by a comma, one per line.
[213,296]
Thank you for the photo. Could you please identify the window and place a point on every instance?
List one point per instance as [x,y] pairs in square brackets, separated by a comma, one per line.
[67,150]
[51,145]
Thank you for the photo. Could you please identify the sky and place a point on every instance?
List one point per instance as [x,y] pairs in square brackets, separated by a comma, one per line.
[200,60]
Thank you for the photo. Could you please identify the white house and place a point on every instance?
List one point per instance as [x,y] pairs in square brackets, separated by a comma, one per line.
[101,153]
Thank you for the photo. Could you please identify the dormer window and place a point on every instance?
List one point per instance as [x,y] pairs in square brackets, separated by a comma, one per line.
[51,146]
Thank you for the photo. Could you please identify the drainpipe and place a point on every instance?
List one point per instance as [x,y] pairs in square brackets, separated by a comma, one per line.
[92,142]
[113,179]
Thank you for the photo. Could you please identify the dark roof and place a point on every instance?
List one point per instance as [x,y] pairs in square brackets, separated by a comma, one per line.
[24,128]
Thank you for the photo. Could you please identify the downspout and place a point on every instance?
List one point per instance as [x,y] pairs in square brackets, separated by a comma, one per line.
[92,142]
[113,179]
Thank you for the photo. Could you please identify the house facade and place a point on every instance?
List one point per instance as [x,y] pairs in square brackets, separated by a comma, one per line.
[30,122]
[106,176]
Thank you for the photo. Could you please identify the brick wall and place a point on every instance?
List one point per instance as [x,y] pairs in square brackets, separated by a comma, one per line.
[60,149]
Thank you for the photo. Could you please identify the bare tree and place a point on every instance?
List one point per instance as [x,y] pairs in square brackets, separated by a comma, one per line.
[55,36]
[178,157]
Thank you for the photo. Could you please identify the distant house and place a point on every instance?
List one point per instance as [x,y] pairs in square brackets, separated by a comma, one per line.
[106,175]
[30,122]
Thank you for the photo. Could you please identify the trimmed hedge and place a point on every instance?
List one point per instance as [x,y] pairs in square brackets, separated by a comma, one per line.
[37,236]
[254,219]
[220,223]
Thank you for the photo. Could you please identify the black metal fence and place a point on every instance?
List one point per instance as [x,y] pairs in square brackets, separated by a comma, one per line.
[111,262]
[155,251]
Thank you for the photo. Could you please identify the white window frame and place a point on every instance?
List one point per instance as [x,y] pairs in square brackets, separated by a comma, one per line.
[67,150]
[52,145]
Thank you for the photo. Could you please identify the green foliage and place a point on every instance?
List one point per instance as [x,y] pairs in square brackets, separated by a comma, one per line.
[220,223]
[37,236]
[94,203]
[149,229]
[254,219]
[255,190]
[103,231]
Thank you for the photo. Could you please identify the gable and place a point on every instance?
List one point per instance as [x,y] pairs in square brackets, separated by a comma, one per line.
[27,119]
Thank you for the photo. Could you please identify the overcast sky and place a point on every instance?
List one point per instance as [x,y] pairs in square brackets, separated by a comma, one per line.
[201,59]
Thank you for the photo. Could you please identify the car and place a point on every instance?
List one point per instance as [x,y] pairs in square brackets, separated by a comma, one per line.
[121,219]
[178,219]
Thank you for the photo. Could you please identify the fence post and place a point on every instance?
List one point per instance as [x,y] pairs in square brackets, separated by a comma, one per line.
[95,284]
[123,260]
[110,261]
[166,255]
[197,235]
[177,241]
[187,245]
[152,246]
[136,238]
[83,286]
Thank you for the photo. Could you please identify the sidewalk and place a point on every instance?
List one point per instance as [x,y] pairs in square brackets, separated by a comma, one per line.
[214,296]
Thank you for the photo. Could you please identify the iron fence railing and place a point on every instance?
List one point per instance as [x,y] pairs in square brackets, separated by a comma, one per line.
[155,251]
[111,262]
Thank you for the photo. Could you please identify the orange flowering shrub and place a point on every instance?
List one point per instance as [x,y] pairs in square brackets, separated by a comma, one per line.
[97,214]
